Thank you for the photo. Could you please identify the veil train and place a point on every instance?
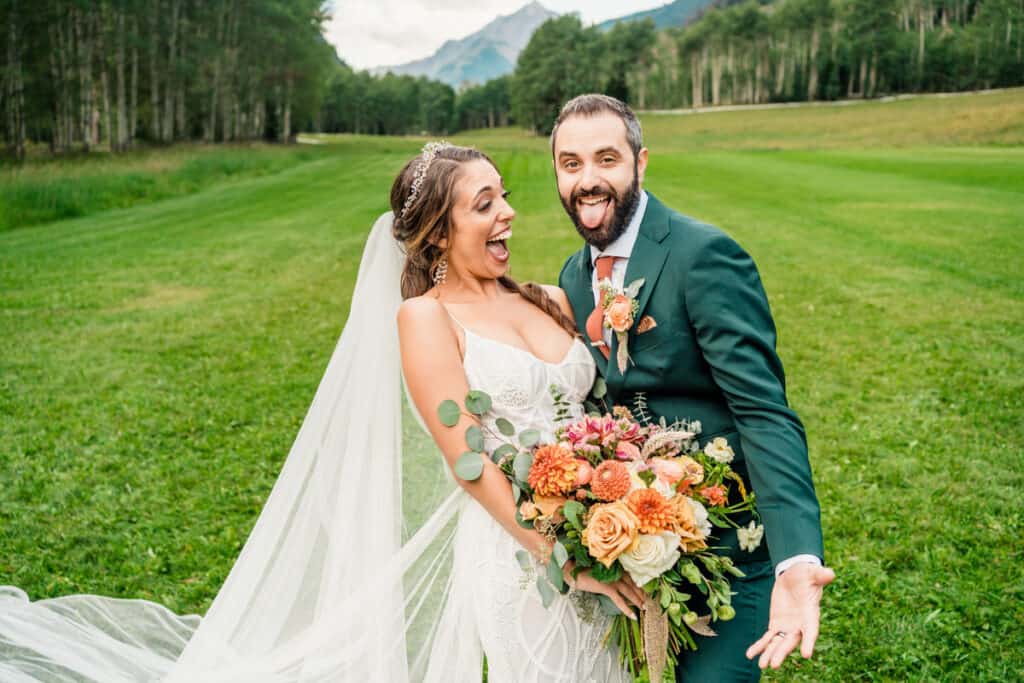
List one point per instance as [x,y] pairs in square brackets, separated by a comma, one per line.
[346,574]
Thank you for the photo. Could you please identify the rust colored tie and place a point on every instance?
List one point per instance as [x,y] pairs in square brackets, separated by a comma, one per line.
[595,323]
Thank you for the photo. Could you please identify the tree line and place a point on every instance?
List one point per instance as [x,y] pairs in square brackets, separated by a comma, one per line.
[753,52]
[107,74]
[80,75]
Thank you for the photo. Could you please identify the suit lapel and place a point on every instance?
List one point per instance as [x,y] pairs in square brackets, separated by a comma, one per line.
[646,261]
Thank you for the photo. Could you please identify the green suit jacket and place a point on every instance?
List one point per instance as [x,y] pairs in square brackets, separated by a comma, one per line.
[711,357]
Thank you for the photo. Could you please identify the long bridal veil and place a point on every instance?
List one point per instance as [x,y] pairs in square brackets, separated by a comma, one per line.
[346,574]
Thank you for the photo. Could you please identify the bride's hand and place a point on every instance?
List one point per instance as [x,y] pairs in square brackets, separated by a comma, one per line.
[622,592]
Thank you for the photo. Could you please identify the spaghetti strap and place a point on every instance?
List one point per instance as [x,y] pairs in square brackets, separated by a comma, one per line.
[460,342]
[452,316]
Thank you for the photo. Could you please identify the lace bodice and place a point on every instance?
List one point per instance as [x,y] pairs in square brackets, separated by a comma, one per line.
[520,384]
[492,596]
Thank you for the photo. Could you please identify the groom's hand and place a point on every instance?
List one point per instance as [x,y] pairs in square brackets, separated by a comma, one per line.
[794,615]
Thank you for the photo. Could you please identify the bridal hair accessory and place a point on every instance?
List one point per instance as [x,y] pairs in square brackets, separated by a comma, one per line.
[440,271]
[427,157]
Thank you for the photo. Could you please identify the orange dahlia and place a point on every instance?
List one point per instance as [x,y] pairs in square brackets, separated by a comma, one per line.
[650,507]
[684,523]
[610,480]
[553,472]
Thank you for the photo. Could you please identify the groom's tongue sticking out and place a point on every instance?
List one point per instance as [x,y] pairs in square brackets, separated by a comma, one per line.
[601,214]
[599,174]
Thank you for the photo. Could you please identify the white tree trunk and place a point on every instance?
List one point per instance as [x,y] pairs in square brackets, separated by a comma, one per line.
[167,134]
[122,99]
[84,45]
[286,128]
[154,75]
[812,76]
[133,106]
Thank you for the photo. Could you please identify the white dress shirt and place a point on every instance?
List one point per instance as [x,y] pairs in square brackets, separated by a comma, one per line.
[622,248]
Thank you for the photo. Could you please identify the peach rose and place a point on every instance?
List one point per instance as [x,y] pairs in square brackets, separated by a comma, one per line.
[528,510]
[669,470]
[610,531]
[619,314]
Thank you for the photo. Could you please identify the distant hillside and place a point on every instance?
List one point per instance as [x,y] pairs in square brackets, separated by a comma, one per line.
[489,53]
[677,13]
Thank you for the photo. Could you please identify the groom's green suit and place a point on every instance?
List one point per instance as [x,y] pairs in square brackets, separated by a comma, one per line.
[711,357]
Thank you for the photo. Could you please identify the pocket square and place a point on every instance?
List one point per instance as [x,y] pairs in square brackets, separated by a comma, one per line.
[647,323]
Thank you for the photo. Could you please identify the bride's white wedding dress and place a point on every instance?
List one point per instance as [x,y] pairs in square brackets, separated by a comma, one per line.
[492,596]
[365,564]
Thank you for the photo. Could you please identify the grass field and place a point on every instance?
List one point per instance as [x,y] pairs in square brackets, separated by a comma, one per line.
[158,359]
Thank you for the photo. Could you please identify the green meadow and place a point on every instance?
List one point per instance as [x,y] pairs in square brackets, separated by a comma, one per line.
[165,318]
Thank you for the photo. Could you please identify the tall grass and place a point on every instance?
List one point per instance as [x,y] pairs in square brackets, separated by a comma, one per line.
[57,189]
[158,359]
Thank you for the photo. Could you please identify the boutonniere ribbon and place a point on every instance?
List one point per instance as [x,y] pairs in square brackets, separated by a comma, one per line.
[620,307]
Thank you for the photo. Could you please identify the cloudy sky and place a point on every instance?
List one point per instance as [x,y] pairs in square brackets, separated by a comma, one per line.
[369,33]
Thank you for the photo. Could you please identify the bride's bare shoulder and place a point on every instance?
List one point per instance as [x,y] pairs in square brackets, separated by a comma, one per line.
[425,318]
[559,296]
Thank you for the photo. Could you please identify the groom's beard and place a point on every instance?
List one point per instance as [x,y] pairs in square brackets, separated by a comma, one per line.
[625,207]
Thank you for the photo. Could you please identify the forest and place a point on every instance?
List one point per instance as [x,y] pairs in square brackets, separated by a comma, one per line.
[78,76]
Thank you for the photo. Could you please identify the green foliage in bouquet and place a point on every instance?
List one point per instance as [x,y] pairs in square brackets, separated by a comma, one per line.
[618,498]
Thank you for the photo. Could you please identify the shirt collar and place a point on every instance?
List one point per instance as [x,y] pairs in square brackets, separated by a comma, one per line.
[623,246]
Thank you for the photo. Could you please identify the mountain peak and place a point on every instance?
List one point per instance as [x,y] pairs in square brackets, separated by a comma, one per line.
[488,53]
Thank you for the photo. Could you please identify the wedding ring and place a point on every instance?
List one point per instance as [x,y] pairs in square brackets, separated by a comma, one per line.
[779,634]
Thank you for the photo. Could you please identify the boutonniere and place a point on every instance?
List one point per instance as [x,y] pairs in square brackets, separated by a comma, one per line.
[620,308]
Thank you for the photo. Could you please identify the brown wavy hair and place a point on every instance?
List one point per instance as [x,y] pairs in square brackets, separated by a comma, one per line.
[427,222]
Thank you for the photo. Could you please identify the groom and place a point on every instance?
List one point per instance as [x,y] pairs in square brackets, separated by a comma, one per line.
[702,348]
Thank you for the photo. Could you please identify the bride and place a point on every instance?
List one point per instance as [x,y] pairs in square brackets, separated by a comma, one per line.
[343,577]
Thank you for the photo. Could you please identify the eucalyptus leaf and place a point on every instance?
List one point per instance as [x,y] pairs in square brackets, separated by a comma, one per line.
[449,413]
[521,465]
[475,438]
[505,427]
[524,560]
[600,389]
[506,450]
[560,554]
[529,438]
[547,593]
[469,466]
[517,493]
[607,606]
[478,402]
[555,575]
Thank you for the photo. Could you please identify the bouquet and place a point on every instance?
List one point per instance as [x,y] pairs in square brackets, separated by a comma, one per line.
[619,497]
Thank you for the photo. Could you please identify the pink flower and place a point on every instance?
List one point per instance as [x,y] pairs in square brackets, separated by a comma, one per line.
[715,495]
[668,471]
[627,451]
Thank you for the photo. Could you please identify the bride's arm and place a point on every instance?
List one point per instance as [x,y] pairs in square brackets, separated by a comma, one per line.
[434,372]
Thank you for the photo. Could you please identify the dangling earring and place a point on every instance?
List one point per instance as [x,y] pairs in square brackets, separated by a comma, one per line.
[440,271]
